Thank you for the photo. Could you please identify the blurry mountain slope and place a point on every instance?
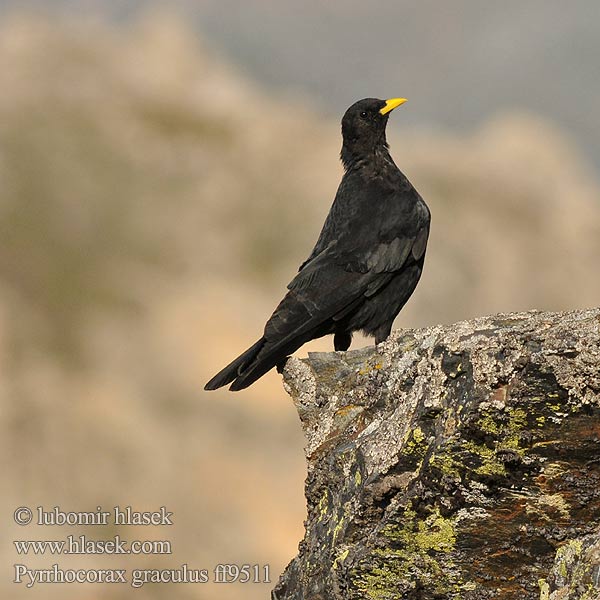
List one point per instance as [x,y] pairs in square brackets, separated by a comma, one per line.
[517,219]
[154,204]
[132,169]
[131,152]
[459,62]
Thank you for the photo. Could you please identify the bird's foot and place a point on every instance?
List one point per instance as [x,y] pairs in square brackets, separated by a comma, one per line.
[281,364]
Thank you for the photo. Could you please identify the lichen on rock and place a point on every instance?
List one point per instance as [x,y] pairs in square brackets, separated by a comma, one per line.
[453,462]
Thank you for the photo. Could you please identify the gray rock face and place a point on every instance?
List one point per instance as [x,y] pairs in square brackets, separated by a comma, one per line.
[454,462]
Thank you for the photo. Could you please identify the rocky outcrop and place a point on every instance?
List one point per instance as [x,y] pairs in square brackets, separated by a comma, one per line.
[453,462]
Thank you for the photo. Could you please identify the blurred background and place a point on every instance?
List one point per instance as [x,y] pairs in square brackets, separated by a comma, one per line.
[164,169]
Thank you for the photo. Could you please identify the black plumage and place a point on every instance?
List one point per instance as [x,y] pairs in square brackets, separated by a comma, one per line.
[365,264]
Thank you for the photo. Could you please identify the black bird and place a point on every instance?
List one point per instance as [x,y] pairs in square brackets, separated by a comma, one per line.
[366,262]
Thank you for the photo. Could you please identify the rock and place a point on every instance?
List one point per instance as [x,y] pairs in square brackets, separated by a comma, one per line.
[453,462]
[576,571]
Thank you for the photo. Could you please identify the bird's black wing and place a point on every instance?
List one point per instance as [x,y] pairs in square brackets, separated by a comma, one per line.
[337,224]
[329,286]
[362,245]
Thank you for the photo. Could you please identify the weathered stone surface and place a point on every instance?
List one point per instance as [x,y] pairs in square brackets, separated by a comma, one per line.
[454,462]
[576,571]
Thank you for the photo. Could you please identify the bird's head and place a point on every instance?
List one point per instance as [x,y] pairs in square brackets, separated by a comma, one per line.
[363,127]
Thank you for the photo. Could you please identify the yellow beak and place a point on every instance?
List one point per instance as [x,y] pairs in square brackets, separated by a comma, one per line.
[391,104]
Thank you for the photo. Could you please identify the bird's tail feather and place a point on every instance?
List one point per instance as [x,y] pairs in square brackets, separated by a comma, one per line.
[264,355]
[271,357]
[233,370]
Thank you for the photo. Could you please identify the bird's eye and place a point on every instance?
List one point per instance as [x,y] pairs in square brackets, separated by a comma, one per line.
[363,114]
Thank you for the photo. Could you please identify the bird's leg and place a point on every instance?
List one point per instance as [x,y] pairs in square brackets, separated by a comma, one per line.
[281,364]
[382,333]
[342,340]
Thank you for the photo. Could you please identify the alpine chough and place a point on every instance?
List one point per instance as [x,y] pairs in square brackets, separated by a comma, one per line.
[366,262]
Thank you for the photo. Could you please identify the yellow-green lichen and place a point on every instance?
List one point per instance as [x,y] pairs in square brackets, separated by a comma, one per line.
[414,546]
[505,430]
[414,448]
[414,441]
[508,437]
[490,464]
[418,435]
[340,558]
[397,572]
[446,464]
[571,573]
[568,553]
[562,569]
[357,478]
[323,506]
[338,528]
[518,418]
[436,533]
[338,522]
[544,589]
[489,425]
